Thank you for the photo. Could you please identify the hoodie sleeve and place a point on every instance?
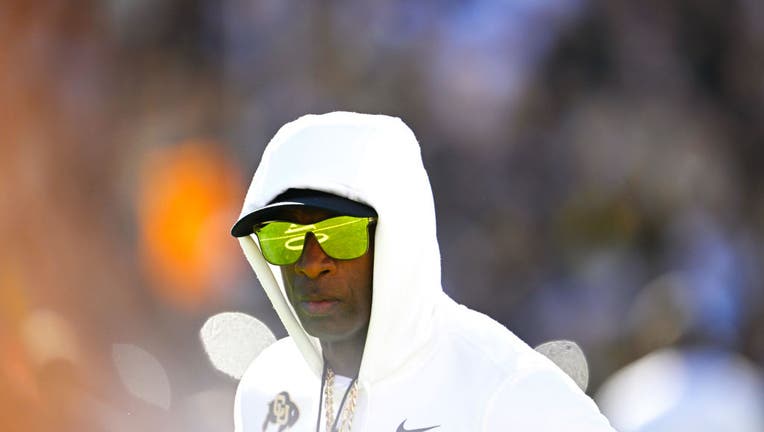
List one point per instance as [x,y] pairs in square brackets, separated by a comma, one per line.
[543,401]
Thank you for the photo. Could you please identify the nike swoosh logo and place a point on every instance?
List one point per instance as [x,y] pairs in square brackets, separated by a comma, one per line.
[402,428]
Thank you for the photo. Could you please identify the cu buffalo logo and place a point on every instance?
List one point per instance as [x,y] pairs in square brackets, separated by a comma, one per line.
[282,412]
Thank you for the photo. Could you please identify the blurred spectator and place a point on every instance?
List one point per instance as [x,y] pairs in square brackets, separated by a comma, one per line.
[703,390]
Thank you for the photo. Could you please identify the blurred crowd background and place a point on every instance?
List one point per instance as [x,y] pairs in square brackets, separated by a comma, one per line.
[597,165]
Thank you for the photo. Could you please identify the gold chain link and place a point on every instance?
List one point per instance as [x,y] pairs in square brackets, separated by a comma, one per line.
[349,410]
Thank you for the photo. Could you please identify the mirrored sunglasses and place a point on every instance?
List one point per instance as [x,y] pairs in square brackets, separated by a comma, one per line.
[342,237]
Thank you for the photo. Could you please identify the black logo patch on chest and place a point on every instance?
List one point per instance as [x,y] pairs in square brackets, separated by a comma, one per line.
[282,412]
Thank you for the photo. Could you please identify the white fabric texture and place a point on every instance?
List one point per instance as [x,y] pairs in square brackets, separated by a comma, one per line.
[427,361]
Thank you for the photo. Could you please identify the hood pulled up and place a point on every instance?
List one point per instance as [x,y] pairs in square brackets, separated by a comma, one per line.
[376,160]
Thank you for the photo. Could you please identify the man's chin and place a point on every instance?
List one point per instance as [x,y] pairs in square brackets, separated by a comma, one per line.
[328,331]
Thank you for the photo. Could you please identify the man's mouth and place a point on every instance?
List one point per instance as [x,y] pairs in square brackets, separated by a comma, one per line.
[318,306]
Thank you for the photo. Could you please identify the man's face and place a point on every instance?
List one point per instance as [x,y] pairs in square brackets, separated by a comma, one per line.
[332,297]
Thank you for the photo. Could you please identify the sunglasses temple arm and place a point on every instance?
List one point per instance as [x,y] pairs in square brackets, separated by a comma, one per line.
[272,290]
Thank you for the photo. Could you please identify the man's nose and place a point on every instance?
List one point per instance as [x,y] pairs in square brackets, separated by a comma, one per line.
[314,262]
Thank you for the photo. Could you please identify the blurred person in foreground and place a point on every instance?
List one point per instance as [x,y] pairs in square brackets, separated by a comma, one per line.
[691,378]
[700,389]
[341,208]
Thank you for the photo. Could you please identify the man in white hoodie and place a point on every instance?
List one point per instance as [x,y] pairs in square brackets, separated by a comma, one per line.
[341,210]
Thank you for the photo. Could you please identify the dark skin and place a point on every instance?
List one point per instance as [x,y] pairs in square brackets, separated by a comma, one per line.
[332,297]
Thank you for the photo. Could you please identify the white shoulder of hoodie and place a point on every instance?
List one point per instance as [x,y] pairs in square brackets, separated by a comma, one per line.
[543,399]
[264,378]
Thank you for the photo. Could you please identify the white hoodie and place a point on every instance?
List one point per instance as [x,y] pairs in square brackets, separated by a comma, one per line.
[428,362]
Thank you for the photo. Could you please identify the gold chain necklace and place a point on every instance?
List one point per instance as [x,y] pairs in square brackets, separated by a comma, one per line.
[346,417]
